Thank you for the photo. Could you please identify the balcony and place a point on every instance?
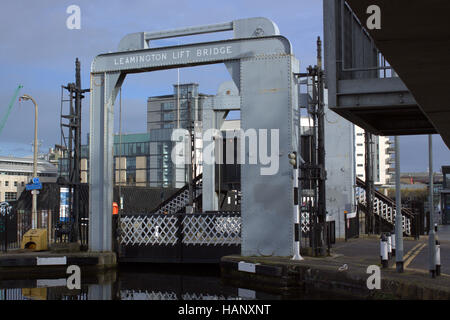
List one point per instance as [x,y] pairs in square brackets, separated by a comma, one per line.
[390,161]
[390,150]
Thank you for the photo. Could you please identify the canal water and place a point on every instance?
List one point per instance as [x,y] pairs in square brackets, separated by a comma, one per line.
[150,282]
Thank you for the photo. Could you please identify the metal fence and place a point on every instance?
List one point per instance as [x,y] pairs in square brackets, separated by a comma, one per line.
[170,295]
[8,227]
[43,293]
[307,210]
[52,214]
[182,237]
[352,225]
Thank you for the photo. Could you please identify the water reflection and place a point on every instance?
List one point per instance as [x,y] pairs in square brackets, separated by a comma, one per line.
[149,282]
[129,282]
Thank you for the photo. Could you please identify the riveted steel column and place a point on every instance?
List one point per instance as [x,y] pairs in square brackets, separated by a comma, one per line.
[104,87]
[210,200]
[267,102]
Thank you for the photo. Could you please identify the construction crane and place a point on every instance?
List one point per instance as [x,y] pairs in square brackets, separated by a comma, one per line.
[11,104]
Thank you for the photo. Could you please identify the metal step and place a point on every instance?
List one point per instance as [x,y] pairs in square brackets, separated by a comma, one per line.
[384,207]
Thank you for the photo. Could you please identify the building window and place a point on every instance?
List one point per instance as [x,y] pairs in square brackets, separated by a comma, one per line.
[360,155]
[131,163]
[131,170]
[10,196]
[6,183]
[360,175]
[22,184]
[167,106]
[359,144]
[360,165]
[15,183]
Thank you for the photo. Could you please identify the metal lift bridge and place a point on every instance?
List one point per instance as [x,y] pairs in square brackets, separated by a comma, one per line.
[262,65]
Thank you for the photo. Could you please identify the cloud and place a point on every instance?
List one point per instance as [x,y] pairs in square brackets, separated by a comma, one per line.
[38,51]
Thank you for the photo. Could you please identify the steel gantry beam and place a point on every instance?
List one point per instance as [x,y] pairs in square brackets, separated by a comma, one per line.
[262,65]
[363,87]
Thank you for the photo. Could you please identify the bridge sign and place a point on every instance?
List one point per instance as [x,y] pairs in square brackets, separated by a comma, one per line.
[33,186]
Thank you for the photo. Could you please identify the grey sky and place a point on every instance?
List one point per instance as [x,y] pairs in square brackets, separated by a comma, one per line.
[38,51]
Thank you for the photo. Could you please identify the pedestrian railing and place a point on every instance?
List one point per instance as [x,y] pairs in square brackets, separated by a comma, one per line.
[384,207]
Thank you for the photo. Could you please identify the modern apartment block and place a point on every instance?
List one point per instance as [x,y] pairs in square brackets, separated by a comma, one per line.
[165,113]
[383,161]
[15,173]
[172,111]
[145,159]
[140,159]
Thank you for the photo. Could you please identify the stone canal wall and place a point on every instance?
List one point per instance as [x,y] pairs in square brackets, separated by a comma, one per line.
[284,276]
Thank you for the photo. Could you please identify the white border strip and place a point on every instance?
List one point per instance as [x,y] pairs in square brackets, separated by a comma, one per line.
[246,293]
[44,283]
[351,215]
[247,267]
[51,261]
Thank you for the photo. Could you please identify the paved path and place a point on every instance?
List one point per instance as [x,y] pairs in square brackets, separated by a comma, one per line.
[367,251]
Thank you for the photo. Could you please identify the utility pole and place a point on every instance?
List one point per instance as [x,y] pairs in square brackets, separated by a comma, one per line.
[369,179]
[311,175]
[191,156]
[322,213]
[74,149]
[34,192]
[431,234]
[398,215]
[315,172]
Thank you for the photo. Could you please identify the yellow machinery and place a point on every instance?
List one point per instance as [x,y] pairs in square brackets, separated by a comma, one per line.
[35,293]
[35,239]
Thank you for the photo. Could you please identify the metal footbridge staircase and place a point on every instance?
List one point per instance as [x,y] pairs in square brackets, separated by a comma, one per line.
[180,199]
[384,207]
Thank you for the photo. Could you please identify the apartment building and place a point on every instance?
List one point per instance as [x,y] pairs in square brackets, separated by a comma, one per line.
[15,173]
[383,161]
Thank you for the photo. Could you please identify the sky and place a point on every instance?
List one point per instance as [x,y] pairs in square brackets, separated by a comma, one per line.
[38,51]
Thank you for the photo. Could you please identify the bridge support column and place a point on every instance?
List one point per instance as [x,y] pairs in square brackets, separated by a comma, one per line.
[210,201]
[268,101]
[104,89]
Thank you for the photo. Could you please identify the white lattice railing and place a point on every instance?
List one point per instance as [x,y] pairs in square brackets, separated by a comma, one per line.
[158,295]
[211,229]
[147,295]
[148,230]
[305,221]
[383,209]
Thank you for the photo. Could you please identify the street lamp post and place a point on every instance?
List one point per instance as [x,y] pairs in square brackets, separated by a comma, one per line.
[398,215]
[34,192]
[431,233]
